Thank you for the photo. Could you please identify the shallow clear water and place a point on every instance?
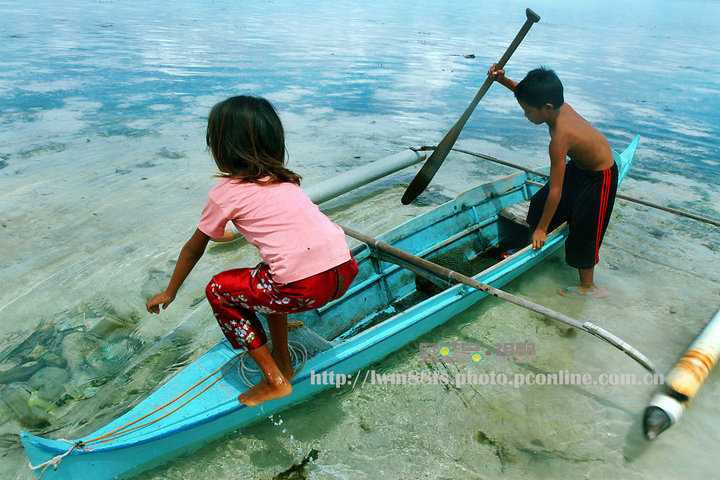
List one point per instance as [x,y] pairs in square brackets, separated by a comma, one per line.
[103,173]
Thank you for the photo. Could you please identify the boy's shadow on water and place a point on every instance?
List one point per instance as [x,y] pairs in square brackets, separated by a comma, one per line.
[541,284]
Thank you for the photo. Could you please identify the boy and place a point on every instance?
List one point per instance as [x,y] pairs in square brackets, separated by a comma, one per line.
[581,192]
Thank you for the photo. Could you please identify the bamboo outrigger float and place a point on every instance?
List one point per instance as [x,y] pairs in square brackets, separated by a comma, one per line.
[386,307]
[684,381]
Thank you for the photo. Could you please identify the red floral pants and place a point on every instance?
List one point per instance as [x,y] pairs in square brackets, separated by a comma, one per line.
[235,296]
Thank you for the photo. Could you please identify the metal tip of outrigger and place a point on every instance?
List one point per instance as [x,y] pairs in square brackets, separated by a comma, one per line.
[655,421]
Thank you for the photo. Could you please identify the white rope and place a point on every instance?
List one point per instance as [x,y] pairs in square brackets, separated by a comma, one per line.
[298,357]
[55,461]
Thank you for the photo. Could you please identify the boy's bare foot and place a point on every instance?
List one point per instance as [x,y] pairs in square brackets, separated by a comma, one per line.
[583,292]
[264,391]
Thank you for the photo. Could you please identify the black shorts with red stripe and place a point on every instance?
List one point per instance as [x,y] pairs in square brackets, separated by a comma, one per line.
[586,204]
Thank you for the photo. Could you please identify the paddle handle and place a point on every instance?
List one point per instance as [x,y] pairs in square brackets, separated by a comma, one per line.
[432,165]
[532,17]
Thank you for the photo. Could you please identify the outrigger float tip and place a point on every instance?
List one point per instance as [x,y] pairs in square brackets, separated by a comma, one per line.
[684,381]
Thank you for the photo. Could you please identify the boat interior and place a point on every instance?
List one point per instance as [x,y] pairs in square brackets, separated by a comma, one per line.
[469,235]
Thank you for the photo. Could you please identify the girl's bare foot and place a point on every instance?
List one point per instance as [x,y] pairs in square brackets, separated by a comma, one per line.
[264,391]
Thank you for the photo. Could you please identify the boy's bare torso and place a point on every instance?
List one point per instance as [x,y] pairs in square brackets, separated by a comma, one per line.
[587,147]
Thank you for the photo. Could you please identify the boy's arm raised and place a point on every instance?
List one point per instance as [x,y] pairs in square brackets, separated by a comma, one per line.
[499,76]
[189,256]
[558,154]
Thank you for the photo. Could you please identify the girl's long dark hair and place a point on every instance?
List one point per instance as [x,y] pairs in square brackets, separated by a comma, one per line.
[247,141]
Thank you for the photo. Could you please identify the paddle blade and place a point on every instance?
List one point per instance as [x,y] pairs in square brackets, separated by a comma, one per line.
[428,171]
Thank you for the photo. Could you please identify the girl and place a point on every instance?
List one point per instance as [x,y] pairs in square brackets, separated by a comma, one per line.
[306,261]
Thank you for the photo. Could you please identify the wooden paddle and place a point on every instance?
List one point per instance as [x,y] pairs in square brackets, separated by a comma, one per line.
[431,270]
[431,166]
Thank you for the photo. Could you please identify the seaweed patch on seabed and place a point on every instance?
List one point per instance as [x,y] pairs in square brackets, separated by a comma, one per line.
[510,452]
[297,471]
[147,164]
[68,357]
[167,153]
[53,147]
[125,131]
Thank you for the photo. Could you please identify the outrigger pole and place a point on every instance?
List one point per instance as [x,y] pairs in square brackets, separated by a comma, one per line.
[675,211]
[427,269]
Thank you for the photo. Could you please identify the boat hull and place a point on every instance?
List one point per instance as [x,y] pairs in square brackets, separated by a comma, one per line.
[473,214]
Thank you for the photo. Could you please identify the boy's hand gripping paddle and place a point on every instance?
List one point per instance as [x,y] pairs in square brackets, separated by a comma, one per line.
[432,164]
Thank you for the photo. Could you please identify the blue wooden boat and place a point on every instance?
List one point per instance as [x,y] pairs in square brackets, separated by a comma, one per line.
[386,308]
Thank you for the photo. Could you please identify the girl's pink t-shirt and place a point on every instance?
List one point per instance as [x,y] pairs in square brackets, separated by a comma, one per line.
[294,237]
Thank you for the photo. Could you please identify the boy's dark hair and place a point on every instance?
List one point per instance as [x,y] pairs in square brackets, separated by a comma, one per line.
[539,87]
[247,141]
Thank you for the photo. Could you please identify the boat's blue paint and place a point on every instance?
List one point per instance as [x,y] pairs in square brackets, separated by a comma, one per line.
[216,412]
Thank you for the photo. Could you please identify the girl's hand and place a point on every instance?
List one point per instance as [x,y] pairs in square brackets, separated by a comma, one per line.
[538,239]
[164,299]
[496,75]
[189,255]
